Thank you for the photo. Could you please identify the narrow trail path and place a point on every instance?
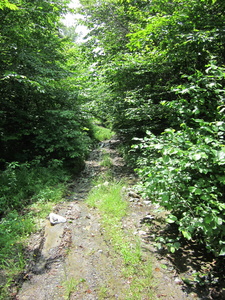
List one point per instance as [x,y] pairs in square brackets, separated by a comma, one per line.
[74,260]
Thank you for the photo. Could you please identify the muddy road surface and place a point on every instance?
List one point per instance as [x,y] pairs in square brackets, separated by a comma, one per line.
[74,260]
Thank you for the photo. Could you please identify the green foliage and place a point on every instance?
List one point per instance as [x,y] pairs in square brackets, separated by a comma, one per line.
[201,96]
[62,136]
[27,195]
[23,184]
[6,4]
[13,228]
[184,172]
[163,41]
[108,23]
[183,169]
[40,112]
[102,133]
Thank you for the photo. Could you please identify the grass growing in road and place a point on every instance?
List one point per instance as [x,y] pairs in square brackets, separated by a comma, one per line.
[102,133]
[107,198]
[106,160]
[70,286]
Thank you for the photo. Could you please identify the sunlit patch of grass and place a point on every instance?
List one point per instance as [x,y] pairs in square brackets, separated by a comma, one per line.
[102,133]
[107,198]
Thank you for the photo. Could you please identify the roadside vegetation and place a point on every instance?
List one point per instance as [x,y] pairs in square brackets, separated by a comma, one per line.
[183,168]
[101,133]
[28,196]
[159,80]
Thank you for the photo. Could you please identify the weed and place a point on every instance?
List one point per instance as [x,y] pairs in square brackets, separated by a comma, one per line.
[29,194]
[103,292]
[23,184]
[107,199]
[70,286]
[102,133]
[106,161]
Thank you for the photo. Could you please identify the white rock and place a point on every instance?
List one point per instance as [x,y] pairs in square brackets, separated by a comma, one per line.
[147,202]
[150,217]
[55,219]
[178,281]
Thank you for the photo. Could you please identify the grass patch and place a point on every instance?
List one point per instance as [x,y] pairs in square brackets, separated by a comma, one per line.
[102,133]
[106,160]
[70,286]
[24,184]
[103,293]
[107,198]
[28,193]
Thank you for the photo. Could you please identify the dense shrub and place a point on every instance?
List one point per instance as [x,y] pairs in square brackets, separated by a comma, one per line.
[63,135]
[183,169]
[22,184]
[184,172]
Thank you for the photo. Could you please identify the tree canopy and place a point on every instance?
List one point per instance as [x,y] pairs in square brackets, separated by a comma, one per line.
[40,114]
[146,48]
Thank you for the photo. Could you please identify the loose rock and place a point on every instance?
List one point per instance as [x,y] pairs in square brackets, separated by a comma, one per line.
[56,219]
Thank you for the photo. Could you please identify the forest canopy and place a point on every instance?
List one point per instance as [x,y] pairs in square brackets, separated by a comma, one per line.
[40,113]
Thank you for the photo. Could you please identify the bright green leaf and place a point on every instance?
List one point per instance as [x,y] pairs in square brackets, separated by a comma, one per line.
[222,251]
[186,234]
[171,219]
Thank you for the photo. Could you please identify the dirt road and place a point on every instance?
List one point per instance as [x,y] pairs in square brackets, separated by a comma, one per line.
[74,260]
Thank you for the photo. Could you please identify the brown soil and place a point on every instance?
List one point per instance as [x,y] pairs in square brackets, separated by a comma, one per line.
[74,260]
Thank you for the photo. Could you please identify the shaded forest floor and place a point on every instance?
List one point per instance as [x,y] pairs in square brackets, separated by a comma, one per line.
[76,259]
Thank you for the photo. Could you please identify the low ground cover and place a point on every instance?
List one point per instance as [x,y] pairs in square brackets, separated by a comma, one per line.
[107,198]
[27,196]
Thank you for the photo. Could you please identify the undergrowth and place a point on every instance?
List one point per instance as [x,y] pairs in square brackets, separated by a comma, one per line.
[107,198]
[102,133]
[28,193]
[182,169]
